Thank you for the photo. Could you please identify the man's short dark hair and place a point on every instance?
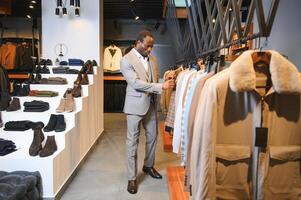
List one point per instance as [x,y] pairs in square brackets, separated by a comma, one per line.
[143,34]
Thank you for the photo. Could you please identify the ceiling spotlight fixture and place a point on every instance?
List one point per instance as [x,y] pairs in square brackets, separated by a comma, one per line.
[28,16]
[59,3]
[213,20]
[72,3]
[77,3]
[137,17]
[230,9]
[57,11]
[132,0]
[33,1]
[64,11]
[77,12]
[31,6]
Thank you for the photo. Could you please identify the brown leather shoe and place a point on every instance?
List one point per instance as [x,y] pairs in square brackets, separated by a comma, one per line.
[79,79]
[85,79]
[132,186]
[49,148]
[36,144]
[152,172]
[77,90]
[14,105]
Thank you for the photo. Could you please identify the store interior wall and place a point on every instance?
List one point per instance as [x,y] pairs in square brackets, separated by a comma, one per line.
[285,36]
[123,30]
[80,34]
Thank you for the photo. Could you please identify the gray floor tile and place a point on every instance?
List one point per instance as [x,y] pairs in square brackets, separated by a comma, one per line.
[103,175]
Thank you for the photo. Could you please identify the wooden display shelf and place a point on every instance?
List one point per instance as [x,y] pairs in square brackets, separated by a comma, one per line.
[18,76]
[166,138]
[175,182]
[113,78]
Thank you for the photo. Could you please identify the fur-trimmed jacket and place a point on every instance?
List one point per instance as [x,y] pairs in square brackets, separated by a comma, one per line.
[224,159]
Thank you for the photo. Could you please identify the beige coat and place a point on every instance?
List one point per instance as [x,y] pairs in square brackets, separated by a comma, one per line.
[223,158]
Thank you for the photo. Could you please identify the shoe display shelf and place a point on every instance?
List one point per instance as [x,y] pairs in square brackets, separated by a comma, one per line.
[83,128]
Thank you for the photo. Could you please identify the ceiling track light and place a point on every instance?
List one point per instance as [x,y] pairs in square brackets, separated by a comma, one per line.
[77,3]
[64,11]
[59,3]
[57,11]
[77,12]
[72,3]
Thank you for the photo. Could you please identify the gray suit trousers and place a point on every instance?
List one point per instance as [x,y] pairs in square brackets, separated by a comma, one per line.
[149,122]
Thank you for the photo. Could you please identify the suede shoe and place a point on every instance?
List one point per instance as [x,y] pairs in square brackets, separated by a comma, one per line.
[49,148]
[132,186]
[14,105]
[69,103]
[60,123]
[152,172]
[77,91]
[36,144]
[61,107]
[85,79]
[79,79]
[51,124]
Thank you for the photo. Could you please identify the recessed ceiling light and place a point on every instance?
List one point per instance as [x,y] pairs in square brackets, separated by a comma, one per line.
[137,17]
[28,16]
[31,6]
[33,1]
[132,0]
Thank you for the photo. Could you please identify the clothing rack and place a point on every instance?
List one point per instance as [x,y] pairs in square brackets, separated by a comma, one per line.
[242,40]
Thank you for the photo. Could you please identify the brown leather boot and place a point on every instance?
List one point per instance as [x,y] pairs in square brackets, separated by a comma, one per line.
[61,107]
[36,144]
[14,105]
[69,102]
[85,79]
[49,148]
[77,90]
[79,79]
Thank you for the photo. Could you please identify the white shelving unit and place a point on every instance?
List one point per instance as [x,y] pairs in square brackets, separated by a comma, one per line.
[83,128]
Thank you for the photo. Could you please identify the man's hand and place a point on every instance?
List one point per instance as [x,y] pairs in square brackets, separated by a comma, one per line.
[169,84]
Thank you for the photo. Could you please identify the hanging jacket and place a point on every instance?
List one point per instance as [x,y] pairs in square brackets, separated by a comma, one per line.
[223,157]
[112,57]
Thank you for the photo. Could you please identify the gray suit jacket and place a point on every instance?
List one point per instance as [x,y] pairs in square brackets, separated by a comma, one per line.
[139,86]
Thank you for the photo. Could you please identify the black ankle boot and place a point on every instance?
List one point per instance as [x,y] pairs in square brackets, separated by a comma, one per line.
[24,90]
[36,145]
[37,79]
[49,148]
[51,124]
[30,79]
[60,124]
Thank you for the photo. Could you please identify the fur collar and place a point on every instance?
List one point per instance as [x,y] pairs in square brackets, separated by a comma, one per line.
[284,74]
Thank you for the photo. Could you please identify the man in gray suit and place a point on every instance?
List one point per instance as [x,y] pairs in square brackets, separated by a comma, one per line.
[141,73]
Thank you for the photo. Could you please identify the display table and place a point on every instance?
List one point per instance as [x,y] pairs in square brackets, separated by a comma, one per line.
[114,93]
[83,127]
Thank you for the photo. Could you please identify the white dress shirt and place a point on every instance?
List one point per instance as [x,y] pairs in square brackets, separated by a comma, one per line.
[143,59]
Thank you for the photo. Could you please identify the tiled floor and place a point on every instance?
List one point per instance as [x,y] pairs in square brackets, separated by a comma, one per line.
[103,175]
